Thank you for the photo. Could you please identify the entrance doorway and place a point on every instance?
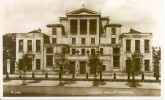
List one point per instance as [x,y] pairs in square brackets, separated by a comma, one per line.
[72,67]
[82,67]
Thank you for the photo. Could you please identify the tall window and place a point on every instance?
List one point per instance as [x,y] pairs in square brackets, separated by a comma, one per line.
[146,63]
[38,64]
[73,51]
[93,26]
[137,45]
[113,30]
[49,60]
[101,51]
[54,40]
[92,40]
[92,51]
[63,50]
[50,50]
[116,60]
[73,40]
[146,45]
[83,26]
[38,45]
[54,31]
[29,45]
[128,45]
[83,51]
[20,45]
[113,41]
[73,26]
[82,40]
[20,64]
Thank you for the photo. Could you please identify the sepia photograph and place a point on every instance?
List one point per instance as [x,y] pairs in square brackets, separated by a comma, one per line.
[82,48]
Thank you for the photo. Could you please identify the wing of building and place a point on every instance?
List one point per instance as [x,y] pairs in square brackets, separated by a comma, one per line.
[83,30]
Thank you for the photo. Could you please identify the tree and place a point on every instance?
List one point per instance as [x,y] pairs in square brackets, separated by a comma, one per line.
[95,62]
[62,63]
[133,65]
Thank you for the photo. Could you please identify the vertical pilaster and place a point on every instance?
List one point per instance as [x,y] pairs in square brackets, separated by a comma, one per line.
[97,41]
[88,32]
[78,32]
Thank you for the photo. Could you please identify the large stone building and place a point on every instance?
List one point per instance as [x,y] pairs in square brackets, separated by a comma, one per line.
[84,30]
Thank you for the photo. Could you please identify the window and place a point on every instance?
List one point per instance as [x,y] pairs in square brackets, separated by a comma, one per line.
[82,40]
[29,45]
[116,50]
[73,51]
[128,45]
[20,45]
[146,63]
[137,45]
[113,30]
[101,51]
[73,40]
[50,50]
[38,45]
[63,50]
[92,40]
[73,26]
[104,67]
[146,45]
[49,61]
[37,64]
[93,27]
[92,51]
[54,31]
[53,40]
[83,51]
[83,26]
[20,64]
[113,41]
[116,60]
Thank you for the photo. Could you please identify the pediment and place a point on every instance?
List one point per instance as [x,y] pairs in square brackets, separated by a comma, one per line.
[83,11]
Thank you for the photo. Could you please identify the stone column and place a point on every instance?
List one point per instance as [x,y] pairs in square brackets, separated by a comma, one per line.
[77,67]
[78,32]
[8,66]
[97,40]
[88,32]
[33,67]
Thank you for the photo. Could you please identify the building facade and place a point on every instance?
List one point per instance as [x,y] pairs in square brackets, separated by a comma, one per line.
[84,30]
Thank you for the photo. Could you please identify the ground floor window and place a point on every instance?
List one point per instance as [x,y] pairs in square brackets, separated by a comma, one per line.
[72,67]
[104,67]
[49,60]
[82,67]
[37,64]
[20,64]
[116,61]
[146,63]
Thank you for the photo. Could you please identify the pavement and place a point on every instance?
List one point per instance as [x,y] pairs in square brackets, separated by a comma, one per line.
[141,85]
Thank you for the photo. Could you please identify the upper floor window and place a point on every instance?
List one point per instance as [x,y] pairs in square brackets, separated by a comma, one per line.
[93,26]
[83,26]
[38,45]
[128,45]
[146,45]
[83,51]
[73,26]
[92,51]
[101,51]
[137,45]
[113,41]
[54,31]
[73,51]
[113,30]
[29,46]
[73,40]
[53,40]
[82,40]
[50,50]
[20,45]
[92,40]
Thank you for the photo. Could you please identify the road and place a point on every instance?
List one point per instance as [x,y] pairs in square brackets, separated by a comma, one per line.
[44,91]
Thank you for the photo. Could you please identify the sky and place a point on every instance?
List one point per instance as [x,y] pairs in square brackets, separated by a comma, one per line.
[22,16]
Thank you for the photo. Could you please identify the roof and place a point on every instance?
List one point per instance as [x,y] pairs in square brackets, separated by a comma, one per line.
[83,11]
[113,25]
[133,31]
[54,25]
